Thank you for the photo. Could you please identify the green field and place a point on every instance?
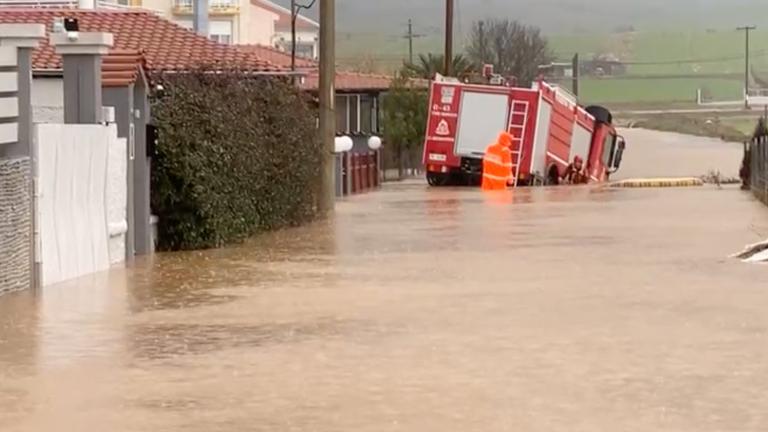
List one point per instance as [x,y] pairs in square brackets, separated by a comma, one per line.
[655,90]
[712,60]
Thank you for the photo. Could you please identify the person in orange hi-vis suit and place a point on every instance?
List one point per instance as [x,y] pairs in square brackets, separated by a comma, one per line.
[497,164]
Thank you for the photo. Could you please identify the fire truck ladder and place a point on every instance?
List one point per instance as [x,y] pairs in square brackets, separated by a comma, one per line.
[518,119]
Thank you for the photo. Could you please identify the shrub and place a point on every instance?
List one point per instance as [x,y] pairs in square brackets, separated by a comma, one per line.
[237,154]
[405,119]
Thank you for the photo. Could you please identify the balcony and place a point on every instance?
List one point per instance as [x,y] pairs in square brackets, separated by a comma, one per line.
[74,4]
[215,7]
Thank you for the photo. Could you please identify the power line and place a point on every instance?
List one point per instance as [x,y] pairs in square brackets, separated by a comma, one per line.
[411,36]
[761,53]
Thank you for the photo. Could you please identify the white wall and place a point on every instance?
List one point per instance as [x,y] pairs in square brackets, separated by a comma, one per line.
[48,100]
[82,177]
[302,37]
[163,7]
[256,25]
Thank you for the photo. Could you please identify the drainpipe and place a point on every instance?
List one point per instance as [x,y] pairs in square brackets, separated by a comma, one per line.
[200,17]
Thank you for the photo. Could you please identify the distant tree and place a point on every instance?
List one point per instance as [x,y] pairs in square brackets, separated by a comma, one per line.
[624,29]
[405,119]
[514,49]
[430,64]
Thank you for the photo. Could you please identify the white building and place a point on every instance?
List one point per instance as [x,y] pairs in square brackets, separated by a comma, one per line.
[229,21]
[307,31]
[243,22]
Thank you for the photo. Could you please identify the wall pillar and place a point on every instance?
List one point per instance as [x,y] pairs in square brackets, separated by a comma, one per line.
[17,156]
[82,74]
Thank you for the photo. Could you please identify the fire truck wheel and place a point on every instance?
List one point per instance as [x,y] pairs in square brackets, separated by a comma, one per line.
[601,114]
[438,179]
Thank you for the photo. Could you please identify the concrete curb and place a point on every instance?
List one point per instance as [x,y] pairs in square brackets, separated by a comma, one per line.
[658,183]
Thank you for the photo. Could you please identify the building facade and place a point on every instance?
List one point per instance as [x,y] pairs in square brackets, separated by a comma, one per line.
[229,21]
[307,31]
[241,22]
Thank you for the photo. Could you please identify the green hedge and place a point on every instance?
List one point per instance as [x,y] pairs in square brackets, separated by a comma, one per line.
[237,154]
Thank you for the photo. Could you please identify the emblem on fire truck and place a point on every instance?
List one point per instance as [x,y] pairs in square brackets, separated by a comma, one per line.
[447,94]
[442,128]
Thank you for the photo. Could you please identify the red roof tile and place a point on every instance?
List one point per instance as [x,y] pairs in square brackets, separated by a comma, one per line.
[351,81]
[120,68]
[279,58]
[166,46]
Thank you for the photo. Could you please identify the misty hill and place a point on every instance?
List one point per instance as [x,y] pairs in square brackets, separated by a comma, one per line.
[554,16]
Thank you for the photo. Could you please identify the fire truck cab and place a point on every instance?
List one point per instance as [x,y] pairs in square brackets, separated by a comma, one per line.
[549,128]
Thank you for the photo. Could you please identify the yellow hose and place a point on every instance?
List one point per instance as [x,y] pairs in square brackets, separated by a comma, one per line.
[658,183]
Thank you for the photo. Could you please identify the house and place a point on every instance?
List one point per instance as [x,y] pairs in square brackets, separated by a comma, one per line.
[307,30]
[358,95]
[557,71]
[229,21]
[143,44]
[165,47]
[604,65]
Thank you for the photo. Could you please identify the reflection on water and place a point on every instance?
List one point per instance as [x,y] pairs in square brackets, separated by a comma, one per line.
[414,309]
[160,341]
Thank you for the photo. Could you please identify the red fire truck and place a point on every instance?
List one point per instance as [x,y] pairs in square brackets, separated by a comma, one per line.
[549,128]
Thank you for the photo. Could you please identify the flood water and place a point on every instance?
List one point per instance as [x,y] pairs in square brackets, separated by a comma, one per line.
[561,309]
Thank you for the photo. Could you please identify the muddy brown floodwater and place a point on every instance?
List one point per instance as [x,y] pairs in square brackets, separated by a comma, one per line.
[562,309]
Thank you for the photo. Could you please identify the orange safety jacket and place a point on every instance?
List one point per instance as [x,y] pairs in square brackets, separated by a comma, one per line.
[497,164]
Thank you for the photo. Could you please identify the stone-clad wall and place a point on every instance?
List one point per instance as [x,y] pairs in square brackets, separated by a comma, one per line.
[15,225]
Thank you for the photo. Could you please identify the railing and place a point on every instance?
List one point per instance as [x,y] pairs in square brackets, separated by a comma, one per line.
[69,4]
[216,7]
[359,172]
[38,4]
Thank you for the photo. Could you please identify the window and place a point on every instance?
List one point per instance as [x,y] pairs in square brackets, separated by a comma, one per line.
[222,39]
[305,50]
[341,113]
[354,110]
[366,114]
[610,141]
[220,31]
[379,119]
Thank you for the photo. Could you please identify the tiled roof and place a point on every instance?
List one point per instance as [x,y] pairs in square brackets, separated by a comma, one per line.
[166,46]
[277,57]
[345,81]
[120,68]
[284,14]
[351,81]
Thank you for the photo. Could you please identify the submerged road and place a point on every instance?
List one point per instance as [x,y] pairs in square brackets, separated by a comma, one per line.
[416,309]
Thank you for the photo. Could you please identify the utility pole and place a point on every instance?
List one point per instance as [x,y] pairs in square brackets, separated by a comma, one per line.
[411,36]
[448,38]
[327,193]
[746,30]
[294,16]
[576,74]
[295,10]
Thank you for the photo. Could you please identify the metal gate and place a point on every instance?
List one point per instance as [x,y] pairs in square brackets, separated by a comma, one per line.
[756,158]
